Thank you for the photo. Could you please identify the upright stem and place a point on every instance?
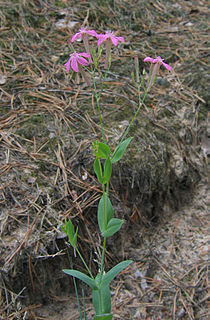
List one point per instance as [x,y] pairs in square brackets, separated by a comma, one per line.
[85,264]
[105,198]
[141,101]
[104,202]
[97,97]
[102,260]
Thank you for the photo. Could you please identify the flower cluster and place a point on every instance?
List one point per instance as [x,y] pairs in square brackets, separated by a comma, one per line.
[77,60]
[154,68]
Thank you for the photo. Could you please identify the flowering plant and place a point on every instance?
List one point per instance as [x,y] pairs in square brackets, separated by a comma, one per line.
[104,159]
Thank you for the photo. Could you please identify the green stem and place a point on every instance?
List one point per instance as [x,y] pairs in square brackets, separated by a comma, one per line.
[105,222]
[97,98]
[85,264]
[102,260]
[104,199]
[141,101]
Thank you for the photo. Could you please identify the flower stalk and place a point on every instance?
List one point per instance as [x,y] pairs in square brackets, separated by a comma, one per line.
[108,224]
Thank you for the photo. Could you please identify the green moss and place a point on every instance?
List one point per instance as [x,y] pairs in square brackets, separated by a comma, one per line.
[60,4]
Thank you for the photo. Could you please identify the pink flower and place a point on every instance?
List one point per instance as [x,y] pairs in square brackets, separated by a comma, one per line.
[158,60]
[75,60]
[82,32]
[154,68]
[109,36]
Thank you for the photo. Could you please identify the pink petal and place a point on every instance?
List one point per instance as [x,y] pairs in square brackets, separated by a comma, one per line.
[76,36]
[74,64]
[120,39]
[100,35]
[114,40]
[67,65]
[92,33]
[158,59]
[85,54]
[167,66]
[82,61]
[101,39]
[149,59]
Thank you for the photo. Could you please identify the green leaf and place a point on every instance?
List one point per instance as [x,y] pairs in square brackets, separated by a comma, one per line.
[100,216]
[101,150]
[120,150]
[74,241]
[104,216]
[111,274]
[68,228]
[110,210]
[113,226]
[102,300]
[97,169]
[107,170]
[79,275]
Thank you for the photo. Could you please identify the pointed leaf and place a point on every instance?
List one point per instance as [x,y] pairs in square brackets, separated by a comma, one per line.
[120,150]
[101,215]
[107,170]
[103,150]
[97,169]
[110,210]
[74,241]
[111,274]
[79,275]
[113,226]
[68,228]
[104,216]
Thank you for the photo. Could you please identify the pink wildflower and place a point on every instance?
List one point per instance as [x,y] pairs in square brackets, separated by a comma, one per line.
[109,38]
[83,34]
[158,60]
[154,68]
[75,60]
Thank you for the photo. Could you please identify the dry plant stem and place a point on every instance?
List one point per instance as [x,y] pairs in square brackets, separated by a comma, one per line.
[87,46]
[108,54]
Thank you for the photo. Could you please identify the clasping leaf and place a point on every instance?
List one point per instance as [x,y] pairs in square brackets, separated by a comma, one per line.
[113,226]
[111,274]
[120,150]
